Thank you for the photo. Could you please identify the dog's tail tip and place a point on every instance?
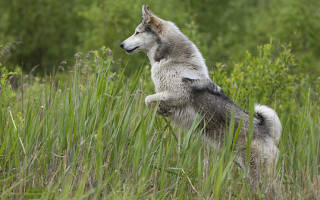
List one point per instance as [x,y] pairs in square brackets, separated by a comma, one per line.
[270,120]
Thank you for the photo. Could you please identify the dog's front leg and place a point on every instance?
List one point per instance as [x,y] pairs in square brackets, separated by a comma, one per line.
[154,98]
[168,98]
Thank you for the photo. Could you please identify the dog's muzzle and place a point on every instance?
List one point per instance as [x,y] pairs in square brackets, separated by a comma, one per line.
[131,50]
[128,50]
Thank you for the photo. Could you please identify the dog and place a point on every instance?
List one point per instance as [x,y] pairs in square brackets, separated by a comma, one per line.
[184,89]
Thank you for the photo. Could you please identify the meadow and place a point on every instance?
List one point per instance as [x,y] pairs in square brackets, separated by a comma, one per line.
[87,134]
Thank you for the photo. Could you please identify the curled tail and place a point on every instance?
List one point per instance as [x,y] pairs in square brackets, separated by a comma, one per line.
[270,120]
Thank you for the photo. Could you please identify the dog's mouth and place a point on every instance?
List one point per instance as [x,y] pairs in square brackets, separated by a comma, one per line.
[131,50]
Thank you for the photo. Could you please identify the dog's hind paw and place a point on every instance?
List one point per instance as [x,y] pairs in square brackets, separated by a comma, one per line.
[164,110]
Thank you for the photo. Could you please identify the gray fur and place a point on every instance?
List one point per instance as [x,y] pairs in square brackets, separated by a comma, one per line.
[163,51]
[217,108]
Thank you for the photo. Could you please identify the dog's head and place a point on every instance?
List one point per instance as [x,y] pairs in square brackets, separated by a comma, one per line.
[146,35]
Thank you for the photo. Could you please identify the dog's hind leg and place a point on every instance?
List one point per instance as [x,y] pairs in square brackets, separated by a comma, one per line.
[164,109]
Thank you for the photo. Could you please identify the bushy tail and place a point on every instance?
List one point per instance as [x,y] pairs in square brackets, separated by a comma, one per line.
[270,120]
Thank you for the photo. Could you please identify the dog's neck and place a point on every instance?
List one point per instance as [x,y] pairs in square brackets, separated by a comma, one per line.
[161,50]
[151,54]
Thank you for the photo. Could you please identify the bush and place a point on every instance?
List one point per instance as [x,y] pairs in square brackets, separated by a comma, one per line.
[46,30]
[51,31]
[269,77]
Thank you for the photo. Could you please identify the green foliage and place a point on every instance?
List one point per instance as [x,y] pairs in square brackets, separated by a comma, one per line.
[52,31]
[268,77]
[90,136]
[7,94]
[229,28]
[47,31]
[294,22]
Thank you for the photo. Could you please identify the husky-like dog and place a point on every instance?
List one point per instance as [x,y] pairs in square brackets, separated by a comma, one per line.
[184,89]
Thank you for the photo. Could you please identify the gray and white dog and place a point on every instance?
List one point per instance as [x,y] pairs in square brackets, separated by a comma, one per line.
[184,89]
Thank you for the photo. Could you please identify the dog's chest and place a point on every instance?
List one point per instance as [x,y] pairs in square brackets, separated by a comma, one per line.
[166,78]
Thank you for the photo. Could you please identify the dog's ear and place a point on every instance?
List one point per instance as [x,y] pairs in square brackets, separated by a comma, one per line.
[146,14]
[150,19]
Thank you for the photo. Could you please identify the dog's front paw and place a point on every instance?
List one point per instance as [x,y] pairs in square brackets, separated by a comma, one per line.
[149,100]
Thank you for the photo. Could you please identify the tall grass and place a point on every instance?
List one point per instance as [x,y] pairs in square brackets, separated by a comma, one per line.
[88,135]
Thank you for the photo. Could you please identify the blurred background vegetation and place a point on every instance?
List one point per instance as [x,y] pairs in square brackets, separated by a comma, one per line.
[42,34]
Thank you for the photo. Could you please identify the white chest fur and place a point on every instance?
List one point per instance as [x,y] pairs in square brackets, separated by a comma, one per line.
[166,78]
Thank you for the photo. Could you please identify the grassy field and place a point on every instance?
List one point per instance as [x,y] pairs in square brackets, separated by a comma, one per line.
[87,134]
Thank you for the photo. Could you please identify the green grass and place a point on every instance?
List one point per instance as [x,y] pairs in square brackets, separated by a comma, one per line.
[88,135]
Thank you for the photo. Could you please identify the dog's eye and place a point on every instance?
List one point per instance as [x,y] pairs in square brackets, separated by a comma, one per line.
[137,32]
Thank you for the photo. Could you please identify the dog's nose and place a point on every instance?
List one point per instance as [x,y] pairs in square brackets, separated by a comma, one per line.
[122,45]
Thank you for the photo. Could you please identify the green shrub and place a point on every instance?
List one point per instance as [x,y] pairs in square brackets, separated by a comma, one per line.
[52,31]
[46,30]
[7,94]
[269,77]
